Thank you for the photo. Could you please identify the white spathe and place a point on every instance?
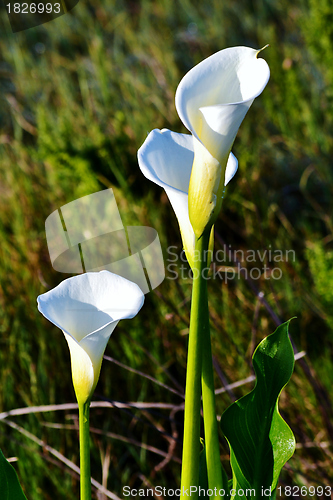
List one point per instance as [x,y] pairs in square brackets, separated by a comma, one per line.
[166,158]
[212,100]
[214,96]
[87,308]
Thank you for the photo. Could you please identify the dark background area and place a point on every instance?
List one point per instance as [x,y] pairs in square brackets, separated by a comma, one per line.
[78,96]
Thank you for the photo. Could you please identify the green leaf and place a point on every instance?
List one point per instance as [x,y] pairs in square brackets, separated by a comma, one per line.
[260,440]
[9,484]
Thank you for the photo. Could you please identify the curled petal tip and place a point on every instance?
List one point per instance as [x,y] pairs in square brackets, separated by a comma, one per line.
[260,50]
[231,168]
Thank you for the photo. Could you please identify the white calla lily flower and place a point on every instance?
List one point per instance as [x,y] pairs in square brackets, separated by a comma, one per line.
[212,100]
[166,158]
[87,308]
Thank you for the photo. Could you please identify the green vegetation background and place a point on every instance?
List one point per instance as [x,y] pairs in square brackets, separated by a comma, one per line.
[78,96]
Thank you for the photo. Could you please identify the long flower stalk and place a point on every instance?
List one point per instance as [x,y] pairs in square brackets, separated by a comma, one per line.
[212,449]
[85,477]
[197,334]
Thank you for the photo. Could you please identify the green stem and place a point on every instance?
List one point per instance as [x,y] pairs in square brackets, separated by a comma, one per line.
[85,479]
[212,449]
[198,325]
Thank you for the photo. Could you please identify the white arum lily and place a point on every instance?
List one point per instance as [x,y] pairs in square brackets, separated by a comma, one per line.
[166,158]
[87,308]
[212,100]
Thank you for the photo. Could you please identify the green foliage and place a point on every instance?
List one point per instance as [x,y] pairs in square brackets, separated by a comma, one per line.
[77,99]
[260,440]
[318,31]
[9,484]
[321,267]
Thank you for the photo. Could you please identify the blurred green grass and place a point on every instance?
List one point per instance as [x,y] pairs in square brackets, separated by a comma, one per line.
[78,97]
